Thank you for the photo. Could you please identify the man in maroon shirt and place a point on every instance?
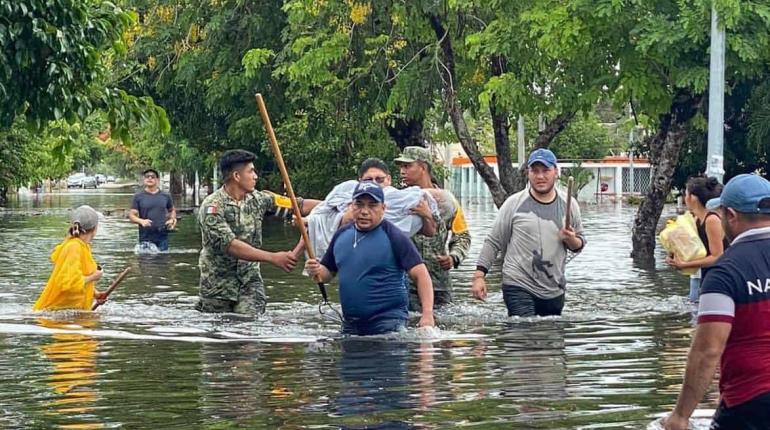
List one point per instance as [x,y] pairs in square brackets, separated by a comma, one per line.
[734,316]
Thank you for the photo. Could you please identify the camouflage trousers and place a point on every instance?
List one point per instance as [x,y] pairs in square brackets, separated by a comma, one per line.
[441,298]
[251,301]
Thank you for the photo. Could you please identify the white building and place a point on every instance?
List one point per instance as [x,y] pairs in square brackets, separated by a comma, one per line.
[613,177]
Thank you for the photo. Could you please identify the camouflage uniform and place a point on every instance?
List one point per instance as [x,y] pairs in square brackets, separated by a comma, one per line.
[431,248]
[228,284]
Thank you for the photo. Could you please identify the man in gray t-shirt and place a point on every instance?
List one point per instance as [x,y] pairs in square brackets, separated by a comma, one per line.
[530,233]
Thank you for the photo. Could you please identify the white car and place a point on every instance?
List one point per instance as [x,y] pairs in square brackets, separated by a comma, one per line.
[80,180]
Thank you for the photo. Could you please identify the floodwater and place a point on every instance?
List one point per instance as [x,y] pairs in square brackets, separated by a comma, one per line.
[146,359]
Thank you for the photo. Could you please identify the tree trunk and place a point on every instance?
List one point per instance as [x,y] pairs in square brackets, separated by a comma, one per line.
[3,196]
[175,184]
[501,125]
[455,112]
[553,128]
[665,146]
[407,133]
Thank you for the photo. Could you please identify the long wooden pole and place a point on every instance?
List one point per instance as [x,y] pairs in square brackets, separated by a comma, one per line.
[287,183]
[112,286]
[568,215]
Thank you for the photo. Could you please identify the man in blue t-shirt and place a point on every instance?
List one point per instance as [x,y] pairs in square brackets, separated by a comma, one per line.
[370,256]
[154,212]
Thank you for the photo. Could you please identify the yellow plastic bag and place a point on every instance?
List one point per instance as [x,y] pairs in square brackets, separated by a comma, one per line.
[680,237]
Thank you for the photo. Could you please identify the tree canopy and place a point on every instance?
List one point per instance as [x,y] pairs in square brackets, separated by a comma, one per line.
[345,80]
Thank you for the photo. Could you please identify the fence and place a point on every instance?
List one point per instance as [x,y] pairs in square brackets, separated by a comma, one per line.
[611,178]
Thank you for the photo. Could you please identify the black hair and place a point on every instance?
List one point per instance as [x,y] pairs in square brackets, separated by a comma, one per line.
[233,160]
[375,163]
[151,170]
[704,188]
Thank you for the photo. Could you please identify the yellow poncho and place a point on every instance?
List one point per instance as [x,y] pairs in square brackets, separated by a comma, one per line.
[67,287]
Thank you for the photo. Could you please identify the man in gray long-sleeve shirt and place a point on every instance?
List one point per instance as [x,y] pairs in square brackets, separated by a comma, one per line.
[530,232]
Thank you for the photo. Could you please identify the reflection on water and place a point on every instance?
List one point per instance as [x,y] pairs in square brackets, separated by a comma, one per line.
[73,377]
[147,359]
[372,376]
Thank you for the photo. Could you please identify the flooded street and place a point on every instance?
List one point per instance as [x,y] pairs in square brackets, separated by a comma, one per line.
[147,359]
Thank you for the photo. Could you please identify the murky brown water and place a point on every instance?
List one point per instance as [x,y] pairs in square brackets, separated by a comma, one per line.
[148,360]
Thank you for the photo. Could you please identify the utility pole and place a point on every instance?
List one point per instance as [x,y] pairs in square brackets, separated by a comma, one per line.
[714,160]
[520,137]
[196,196]
[631,180]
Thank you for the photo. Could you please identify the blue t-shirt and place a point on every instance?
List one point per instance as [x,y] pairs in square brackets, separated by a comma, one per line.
[155,207]
[371,267]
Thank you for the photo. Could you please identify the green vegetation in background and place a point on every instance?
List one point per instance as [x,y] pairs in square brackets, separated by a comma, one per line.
[55,72]
[345,80]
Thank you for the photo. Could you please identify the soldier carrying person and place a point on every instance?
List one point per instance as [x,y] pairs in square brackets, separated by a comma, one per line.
[440,252]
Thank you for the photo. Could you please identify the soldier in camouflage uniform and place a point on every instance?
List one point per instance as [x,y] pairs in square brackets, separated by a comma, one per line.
[230,220]
[449,247]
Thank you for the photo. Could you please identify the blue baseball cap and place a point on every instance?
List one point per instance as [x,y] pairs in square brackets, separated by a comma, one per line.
[542,156]
[744,193]
[370,189]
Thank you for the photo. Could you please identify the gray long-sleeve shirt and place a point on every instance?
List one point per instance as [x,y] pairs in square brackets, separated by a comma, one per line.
[526,232]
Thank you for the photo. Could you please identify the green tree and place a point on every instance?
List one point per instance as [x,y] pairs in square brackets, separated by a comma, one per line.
[584,138]
[189,57]
[54,61]
[659,56]
[55,65]
[27,157]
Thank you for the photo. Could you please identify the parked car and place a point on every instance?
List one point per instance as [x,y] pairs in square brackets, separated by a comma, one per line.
[80,180]
[110,178]
[75,180]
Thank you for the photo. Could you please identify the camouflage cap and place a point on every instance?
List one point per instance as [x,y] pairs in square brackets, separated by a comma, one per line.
[415,153]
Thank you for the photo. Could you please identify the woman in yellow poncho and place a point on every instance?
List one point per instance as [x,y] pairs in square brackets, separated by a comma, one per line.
[71,284]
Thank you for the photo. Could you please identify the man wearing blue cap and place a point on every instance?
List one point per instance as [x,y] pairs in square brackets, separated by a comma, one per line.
[370,256]
[734,316]
[530,232]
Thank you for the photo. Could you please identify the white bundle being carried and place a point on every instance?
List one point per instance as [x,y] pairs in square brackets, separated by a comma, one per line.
[325,218]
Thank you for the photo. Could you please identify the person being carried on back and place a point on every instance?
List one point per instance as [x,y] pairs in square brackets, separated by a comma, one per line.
[370,256]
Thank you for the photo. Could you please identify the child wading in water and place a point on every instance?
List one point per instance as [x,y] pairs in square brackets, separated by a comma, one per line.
[71,284]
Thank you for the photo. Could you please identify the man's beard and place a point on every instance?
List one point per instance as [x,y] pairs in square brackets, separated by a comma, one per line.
[550,188]
[728,233]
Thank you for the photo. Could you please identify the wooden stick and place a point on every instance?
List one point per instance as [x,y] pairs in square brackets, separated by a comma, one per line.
[287,183]
[112,286]
[568,215]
